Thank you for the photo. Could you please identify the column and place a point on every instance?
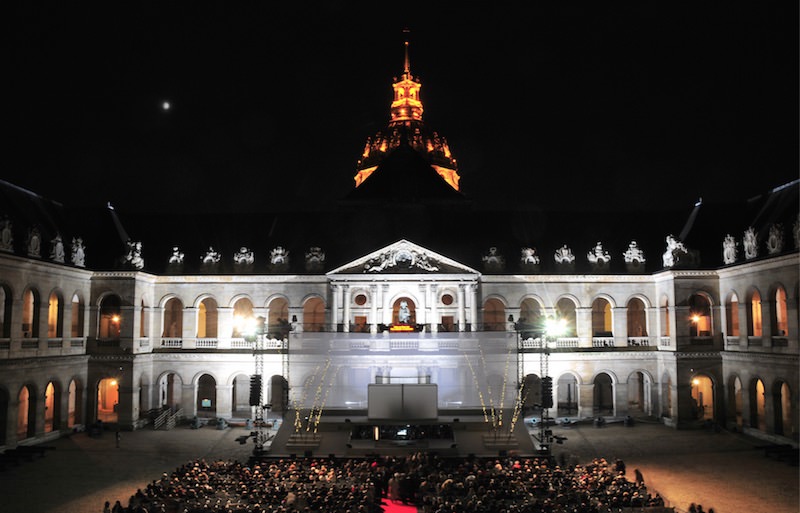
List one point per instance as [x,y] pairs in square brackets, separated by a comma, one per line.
[224,327]
[619,317]
[189,399]
[373,292]
[189,328]
[346,303]
[387,310]
[473,307]
[462,313]
[620,399]
[585,400]
[422,313]
[335,307]
[224,401]
[434,302]
[583,326]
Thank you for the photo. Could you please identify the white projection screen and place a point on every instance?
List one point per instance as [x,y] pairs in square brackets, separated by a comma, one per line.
[402,402]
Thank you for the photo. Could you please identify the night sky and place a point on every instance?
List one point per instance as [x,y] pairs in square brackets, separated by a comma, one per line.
[644,106]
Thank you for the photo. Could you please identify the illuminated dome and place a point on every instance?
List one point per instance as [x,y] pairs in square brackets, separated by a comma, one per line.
[406,128]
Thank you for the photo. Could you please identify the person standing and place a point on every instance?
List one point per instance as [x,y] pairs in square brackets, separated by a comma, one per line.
[119,437]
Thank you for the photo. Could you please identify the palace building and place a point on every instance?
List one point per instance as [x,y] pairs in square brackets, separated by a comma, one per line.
[406,302]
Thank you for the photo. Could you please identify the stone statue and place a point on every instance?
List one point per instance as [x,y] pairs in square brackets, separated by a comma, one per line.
[598,255]
[404,315]
[78,252]
[564,255]
[633,254]
[750,243]
[775,239]
[675,250]
[211,256]
[134,256]
[6,236]
[279,256]
[57,249]
[244,256]
[315,255]
[177,256]
[529,256]
[34,243]
[729,251]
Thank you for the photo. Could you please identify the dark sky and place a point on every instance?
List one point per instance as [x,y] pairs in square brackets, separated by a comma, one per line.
[646,105]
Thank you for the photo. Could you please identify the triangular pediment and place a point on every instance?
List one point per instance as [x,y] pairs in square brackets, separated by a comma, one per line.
[403,257]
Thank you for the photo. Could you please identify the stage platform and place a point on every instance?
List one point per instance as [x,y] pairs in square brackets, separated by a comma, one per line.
[450,434]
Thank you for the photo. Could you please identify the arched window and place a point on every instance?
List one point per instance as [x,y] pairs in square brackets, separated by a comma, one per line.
[6,303]
[732,315]
[173,319]
[30,314]
[143,320]
[601,318]
[637,318]
[242,310]
[700,316]
[531,318]
[78,315]
[110,317]
[754,315]
[565,309]
[207,317]
[494,315]
[780,323]
[314,315]
[279,318]
[55,316]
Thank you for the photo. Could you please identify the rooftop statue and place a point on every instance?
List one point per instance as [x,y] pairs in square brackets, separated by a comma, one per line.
[134,256]
[34,242]
[78,252]
[675,250]
[729,251]
[564,255]
[529,256]
[750,243]
[244,256]
[57,249]
[279,256]
[634,253]
[211,256]
[775,239]
[598,255]
[177,256]
[6,236]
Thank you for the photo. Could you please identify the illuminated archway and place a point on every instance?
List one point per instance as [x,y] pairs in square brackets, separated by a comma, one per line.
[639,394]
[735,400]
[206,396]
[50,407]
[758,406]
[314,315]
[494,315]
[107,400]
[782,407]
[74,402]
[567,392]
[702,397]
[26,413]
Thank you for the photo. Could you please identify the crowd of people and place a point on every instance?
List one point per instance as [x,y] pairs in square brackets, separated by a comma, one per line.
[432,483]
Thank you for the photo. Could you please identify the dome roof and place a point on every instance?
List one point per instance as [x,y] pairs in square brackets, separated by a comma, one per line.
[406,128]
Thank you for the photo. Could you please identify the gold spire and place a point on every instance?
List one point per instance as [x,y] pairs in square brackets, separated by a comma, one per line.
[406,105]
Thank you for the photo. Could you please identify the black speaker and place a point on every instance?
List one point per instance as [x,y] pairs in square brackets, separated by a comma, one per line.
[547,392]
[255,390]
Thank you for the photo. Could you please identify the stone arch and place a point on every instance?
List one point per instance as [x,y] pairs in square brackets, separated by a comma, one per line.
[494,313]
[31,301]
[636,309]
[206,398]
[602,316]
[26,411]
[604,403]
[757,393]
[779,320]
[313,313]
[735,401]
[782,408]
[701,310]
[566,308]
[732,313]
[640,384]
[55,314]
[753,309]
[170,389]
[173,318]
[703,396]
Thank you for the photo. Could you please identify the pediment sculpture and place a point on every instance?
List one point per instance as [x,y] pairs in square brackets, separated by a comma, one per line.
[401,258]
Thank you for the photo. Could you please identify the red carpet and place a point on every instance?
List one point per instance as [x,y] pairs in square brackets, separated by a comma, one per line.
[397,507]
